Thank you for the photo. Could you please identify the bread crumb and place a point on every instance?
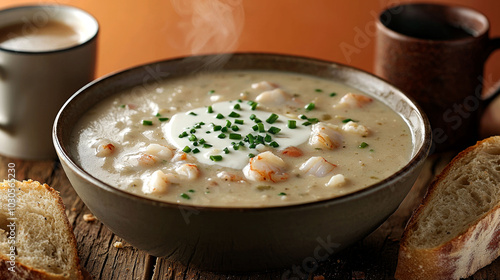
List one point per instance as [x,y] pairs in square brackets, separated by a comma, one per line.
[358,275]
[73,209]
[89,218]
[321,277]
[118,244]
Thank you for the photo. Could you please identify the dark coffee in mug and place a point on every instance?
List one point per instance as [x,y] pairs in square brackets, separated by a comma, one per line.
[435,54]
[429,29]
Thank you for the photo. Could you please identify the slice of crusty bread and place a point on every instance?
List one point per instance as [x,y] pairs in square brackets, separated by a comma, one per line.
[456,229]
[45,245]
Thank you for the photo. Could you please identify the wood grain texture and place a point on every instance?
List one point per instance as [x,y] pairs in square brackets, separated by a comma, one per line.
[374,257]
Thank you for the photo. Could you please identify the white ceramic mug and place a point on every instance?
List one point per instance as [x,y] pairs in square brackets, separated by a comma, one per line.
[36,78]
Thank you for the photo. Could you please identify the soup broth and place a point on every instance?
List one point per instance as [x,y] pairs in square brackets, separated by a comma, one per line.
[242,139]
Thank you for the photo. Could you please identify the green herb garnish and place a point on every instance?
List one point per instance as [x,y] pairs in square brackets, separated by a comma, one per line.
[272,118]
[310,106]
[273,130]
[234,114]
[216,158]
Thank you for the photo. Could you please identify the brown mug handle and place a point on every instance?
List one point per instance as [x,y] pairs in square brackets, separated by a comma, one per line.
[494,44]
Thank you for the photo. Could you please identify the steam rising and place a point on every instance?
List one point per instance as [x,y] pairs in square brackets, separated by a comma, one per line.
[210,26]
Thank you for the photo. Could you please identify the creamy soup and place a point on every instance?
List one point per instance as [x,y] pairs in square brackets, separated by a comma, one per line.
[242,139]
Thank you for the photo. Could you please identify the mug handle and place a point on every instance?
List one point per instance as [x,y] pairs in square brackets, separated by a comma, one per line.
[494,44]
[5,121]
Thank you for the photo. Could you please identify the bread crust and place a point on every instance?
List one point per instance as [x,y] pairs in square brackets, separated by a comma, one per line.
[459,257]
[23,271]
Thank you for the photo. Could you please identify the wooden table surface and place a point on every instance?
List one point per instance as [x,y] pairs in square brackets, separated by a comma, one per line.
[374,257]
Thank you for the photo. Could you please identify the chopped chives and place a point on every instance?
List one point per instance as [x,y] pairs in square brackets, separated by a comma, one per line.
[228,123]
[273,130]
[237,107]
[220,116]
[183,134]
[192,137]
[210,109]
[292,124]
[333,94]
[261,127]
[217,127]
[348,120]
[192,131]
[191,191]
[163,119]
[224,129]
[310,106]
[234,136]
[318,90]
[158,115]
[222,136]
[201,141]
[253,104]
[363,145]
[236,147]
[206,146]
[226,150]
[186,149]
[193,114]
[274,144]
[303,117]
[239,121]
[196,150]
[146,122]
[251,155]
[252,117]
[313,120]
[282,193]
[235,128]
[268,138]
[185,196]
[234,114]
[251,138]
[272,118]
[122,106]
[211,91]
[215,157]
[306,124]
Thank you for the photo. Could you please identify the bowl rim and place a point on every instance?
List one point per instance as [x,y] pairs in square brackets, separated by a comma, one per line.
[418,158]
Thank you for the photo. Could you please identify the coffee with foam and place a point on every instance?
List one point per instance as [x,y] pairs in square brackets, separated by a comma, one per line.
[53,35]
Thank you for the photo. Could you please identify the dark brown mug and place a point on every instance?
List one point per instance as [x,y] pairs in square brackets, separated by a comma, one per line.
[436,54]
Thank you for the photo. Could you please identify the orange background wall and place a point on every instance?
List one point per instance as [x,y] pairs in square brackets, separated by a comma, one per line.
[140,31]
